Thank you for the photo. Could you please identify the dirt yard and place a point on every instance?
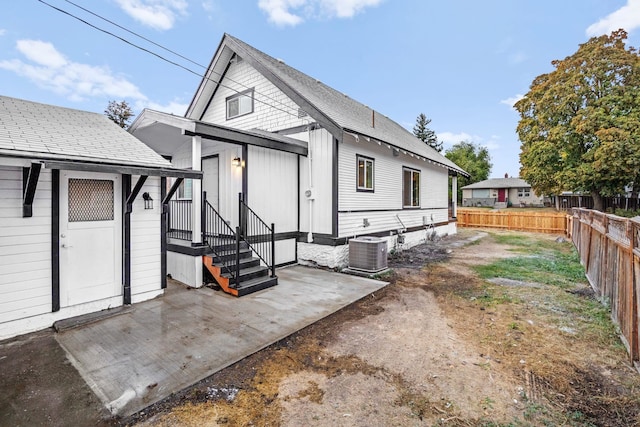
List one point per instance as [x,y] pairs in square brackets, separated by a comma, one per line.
[439,346]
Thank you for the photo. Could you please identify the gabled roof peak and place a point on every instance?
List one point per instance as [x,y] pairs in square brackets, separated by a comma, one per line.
[334,110]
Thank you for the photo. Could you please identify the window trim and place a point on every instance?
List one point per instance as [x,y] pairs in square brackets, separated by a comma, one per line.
[413,171]
[373,174]
[180,193]
[238,96]
[524,192]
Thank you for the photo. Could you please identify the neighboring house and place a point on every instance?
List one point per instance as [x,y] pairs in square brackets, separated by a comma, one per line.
[77,234]
[319,165]
[500,193]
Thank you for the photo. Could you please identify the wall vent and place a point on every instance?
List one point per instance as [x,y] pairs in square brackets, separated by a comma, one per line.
[367,254]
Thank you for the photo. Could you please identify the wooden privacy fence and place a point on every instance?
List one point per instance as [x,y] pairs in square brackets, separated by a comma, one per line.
[541,222]
[609,248]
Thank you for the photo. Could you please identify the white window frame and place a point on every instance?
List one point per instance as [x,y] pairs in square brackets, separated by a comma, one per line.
[524,192]
[362,186]
[243,101]
[412,190]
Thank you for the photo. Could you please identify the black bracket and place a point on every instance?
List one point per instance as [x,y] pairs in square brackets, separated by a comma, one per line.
[134,193]
[170,193]
[29,183]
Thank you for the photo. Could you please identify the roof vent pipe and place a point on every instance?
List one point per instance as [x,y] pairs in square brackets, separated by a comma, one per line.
[373,118]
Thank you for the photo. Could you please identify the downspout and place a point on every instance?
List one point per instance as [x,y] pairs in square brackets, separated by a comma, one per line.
[310,195]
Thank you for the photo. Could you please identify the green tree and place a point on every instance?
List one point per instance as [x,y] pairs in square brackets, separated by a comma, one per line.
[426,135]
[120,113]
[580,124]
[474,159]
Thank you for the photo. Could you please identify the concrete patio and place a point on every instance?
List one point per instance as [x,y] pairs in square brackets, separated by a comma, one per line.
[162,346]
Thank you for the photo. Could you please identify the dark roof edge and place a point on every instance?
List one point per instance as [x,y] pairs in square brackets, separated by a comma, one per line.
[326,122]
[458,169]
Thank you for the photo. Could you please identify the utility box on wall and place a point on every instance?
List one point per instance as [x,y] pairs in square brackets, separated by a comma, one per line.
[368,254]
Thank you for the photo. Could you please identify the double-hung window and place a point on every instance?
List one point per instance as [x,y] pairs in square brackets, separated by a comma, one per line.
[410,188]
[240,104]
[365,173]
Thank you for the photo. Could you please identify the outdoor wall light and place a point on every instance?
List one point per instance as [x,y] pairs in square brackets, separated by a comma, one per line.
[148,201]
[236,162]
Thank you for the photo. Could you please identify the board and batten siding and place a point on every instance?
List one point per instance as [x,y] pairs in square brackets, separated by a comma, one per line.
[145,241]
[272,109]
[229,176]
[321,154]
[382,207]
[25,247]
[273,194]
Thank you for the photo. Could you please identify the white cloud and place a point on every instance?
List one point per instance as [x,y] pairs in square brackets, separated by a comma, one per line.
[293,12]
[278,11]
[49,69]
[347,8]
[2,31]
[42,53]
[627,17]
[158,14]
[449,139]
[512,100]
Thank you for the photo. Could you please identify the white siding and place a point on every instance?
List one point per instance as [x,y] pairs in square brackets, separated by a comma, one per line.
[230,176]
[273,187]
[285,251]
[382,207]
[145,239]
[25,247]
[273,110]
[321,153]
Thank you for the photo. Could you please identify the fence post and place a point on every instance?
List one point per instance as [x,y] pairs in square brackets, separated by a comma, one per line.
[633,344]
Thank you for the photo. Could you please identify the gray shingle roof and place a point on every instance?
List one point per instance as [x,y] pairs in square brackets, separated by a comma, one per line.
[498,183]
[50,132]
[345,112]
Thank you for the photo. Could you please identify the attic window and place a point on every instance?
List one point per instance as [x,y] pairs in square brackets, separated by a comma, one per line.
[240,104]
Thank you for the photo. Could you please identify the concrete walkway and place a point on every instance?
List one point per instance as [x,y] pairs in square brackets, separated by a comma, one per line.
[162,346]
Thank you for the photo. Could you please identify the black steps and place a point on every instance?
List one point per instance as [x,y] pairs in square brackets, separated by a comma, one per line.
[252,277]
[255,285]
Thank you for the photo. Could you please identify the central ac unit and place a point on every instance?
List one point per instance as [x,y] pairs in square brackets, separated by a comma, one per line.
[368,254]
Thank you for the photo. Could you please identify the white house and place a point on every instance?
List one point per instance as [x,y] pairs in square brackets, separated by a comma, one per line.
[80,215]
[500,193]
[319,165]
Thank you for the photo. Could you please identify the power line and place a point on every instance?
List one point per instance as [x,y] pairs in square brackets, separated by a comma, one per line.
[160,56]
[169,50]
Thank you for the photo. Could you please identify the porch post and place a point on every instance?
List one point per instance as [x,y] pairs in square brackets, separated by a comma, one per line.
[196,196]
[454,196]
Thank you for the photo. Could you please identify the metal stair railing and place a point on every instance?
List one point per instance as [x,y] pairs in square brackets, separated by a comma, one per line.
[259,236]
[216,230]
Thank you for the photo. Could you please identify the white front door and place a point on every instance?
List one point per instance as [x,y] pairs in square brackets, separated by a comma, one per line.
[210,180]
[90,237]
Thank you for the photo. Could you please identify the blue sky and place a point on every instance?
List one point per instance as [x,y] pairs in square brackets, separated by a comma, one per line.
[461,62]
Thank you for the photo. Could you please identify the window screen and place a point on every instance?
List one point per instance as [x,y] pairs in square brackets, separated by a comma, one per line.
[90,200]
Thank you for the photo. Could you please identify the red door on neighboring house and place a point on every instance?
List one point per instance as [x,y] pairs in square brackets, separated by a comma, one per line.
[502,195]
